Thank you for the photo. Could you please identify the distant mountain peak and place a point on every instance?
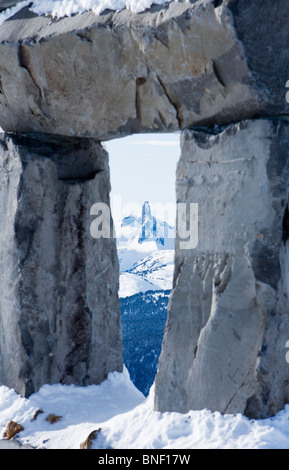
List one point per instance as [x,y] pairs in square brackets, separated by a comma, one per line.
[151,228]
[145,251]
[146,211]
[144,232]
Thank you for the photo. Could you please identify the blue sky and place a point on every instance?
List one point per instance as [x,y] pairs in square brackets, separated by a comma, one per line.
[143,167]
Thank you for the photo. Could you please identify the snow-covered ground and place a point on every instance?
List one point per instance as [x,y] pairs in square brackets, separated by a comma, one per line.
[61,8]
[128,421]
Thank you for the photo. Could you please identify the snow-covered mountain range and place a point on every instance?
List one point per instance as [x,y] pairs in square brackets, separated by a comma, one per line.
[146,253]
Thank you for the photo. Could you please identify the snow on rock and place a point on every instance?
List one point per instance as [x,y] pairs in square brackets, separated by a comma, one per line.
[9,12]
[144,428]
[128,421]
[79,407]
[152,69]
[61,8]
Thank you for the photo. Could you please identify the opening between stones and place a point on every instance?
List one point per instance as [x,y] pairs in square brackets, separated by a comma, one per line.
[143,172]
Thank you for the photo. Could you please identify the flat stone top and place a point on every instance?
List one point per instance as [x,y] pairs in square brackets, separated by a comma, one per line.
[26,25]
[175,66]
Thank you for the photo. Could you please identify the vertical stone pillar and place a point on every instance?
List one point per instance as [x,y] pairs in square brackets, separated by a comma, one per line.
[224,347]
[59,307]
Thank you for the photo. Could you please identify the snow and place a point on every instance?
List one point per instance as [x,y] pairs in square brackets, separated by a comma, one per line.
[6,14]
[128,420]
[146,264]
[143,428]
[61,8]
[131,283]
[80,407]
[152,272]
[155,272]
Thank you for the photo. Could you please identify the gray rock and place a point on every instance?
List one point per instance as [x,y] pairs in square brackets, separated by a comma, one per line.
[4,4]
[59,306]
[173,67]
[225,341]
[14,445]
[261,29]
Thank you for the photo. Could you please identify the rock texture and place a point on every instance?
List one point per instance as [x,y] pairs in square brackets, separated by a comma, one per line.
[4,4]
[59,307]
[183,65]
[14,445]
[88,443]
[228,321]
[12,429]
[173,67]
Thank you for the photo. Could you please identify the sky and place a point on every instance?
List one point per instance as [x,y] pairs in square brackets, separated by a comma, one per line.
[143,168]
